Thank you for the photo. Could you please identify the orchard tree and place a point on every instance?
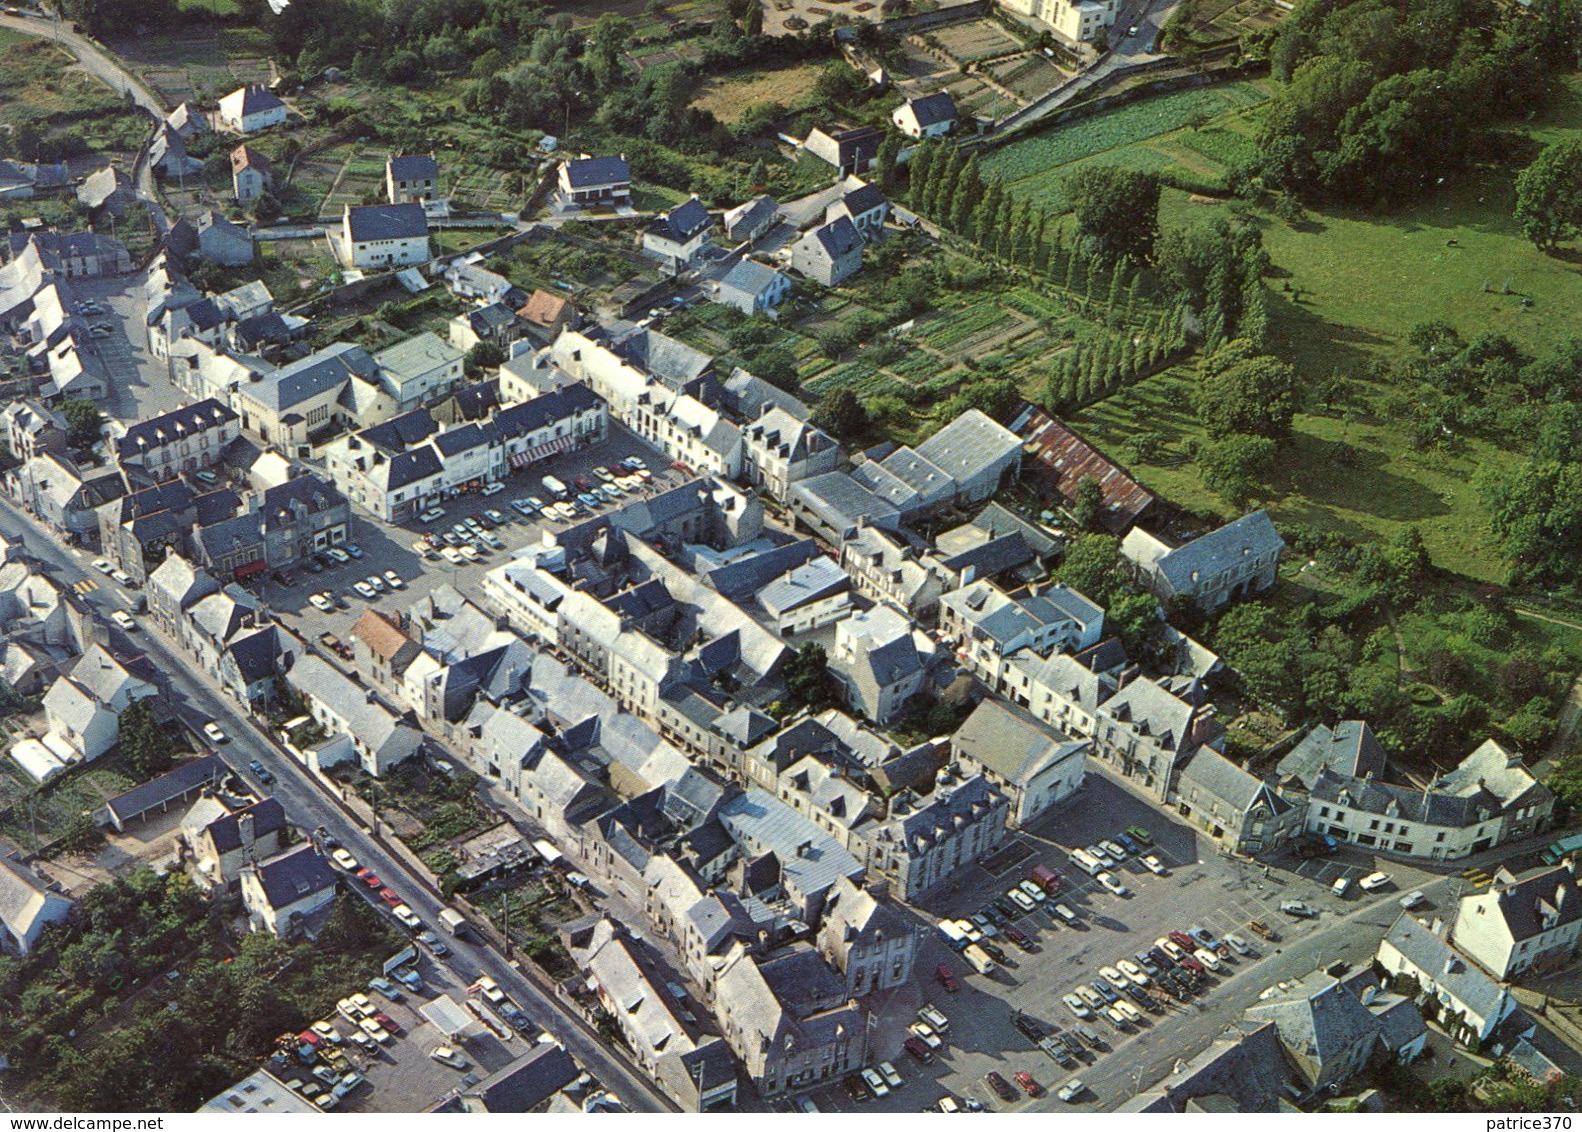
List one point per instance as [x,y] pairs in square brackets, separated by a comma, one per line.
[1243,391]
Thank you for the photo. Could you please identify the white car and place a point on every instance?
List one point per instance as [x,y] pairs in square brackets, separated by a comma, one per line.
[328,1032]
[470,553]
[1170,948]
[925,1034]
[1108,881]
[102,566]
[1098,854]
[365,590]
[1154,865]
[321,603]
[376,583]
[891,1077]
[934,1016]
[1037,894]
[1020,899]
[344,859]
[122,577]
[875,1083]
[1133,972]
[433,514]
[1129,1012]
[99,332]
[1412,900]
[1206,957]
[407,917]
[1373,882]
[1076,1006]
[447,1056]
[338,554]
[491,489]
[1113,977]
[452,555]
[489,989]
[1238,945]
[1113,850]
[1071,1090]
[124,620]
[375,1031]
[393,580]
[212,730]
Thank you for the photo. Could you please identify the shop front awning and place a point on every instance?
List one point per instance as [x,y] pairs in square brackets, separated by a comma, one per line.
[250,569]
[540,452]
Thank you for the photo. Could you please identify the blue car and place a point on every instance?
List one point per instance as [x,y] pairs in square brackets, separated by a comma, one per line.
[1106,991]
[1127,844]
[591,502]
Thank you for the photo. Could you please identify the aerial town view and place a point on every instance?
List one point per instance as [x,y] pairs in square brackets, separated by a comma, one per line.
[801,556]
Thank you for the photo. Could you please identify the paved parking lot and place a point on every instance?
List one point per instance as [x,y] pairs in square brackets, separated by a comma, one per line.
[388,547]
[139,384]
[1202,888]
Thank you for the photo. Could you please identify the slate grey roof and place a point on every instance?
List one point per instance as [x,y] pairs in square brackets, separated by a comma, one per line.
[256,655]
[1249,1068]
[814,580]
[932,109]
[168,427]
[317,373]
[745,576]
[1349,748]
[1012,743]
[755,213]
[1213,772]
[22,896]
[837,238]
[258,99]
[768,825]
[749,277]
[414,167]
[409,467]
[1433,807]
[864,198]
[294,875]
[167,787]
[387,222]
[682,222]
[842,502]
[666,358]
[970,445]
[1219,550]
[1449,969]
[1152,711]
[269,816]
[1523,903]
[588,171]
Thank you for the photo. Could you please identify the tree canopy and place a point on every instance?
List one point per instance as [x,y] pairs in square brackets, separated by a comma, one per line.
[1117,211]
[1549,195]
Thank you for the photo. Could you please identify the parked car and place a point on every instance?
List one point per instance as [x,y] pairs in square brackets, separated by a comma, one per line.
[925,1033]
[284,578]
[1171,948]
[385,987]
[1075,1004]
[491,489]
[393,580]
[364,590]
[888,1072]
[604,473]
[1114,850]
[1019,898]
[875,1083]
[1109,881]
[1126,843]
[1237,944]
[1071,1090]
[1035,892]
[1412,900]
[212,732]
[1134,974]
[1206,957]
[431,941]
[946,978]
[1066,914]
[1298,909]
[407,917]
[1000,1085]
[321,603]
[432,515]
[1019,937]
[522,508]
[338,554]
[1154,865]
[354,550]
[935,1017]
[1203,937]
[918,1049]
[447,1056]
[1098,854]
[1373,882]
[489,989]
[260,772]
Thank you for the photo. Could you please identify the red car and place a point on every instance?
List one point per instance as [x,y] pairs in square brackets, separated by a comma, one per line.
[1185,942]
[1029,1086]
[1191,964]
[373,881]
[918,1048]
[391,897]
[1017,936]
[387,1022]
[947,978]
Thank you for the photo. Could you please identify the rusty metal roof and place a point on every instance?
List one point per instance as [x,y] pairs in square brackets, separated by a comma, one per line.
[1070,460]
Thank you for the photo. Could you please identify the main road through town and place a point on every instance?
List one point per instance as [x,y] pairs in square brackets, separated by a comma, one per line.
[308,805]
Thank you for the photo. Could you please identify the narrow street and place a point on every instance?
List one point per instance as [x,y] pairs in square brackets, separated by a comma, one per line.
[309,807]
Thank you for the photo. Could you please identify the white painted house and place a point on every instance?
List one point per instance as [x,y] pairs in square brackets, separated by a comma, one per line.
[251,108]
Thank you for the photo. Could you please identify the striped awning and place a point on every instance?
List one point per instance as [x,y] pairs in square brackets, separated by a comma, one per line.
[540,452]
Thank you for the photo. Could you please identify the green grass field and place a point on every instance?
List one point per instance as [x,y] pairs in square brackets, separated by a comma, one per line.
[1152,134]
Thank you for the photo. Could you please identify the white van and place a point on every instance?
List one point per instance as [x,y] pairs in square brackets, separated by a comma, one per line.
[1087,862]
[1341,886]
[979,959]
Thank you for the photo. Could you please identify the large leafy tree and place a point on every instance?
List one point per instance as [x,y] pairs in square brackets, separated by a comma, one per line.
[1243,391]
[1549,195]
[1535,513]
[1117,211]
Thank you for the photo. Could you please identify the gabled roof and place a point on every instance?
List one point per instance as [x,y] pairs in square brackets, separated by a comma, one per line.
[813,581]
[1219,550]
[1070,460]
[545,309]
[167,787]
[969,445]
[758,211]
[178,424]
[932,109]
[255,99]
[836,239]
[414,167]
[682,222]
[863,198]
[588,171]
[386,222]
[268,816]
[294,876]
[383,636]
[1542,902]
[1451,971]
[1349,748]
[246,157]
[749,277]
[1012,743]
[1214,773]
[25,899]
